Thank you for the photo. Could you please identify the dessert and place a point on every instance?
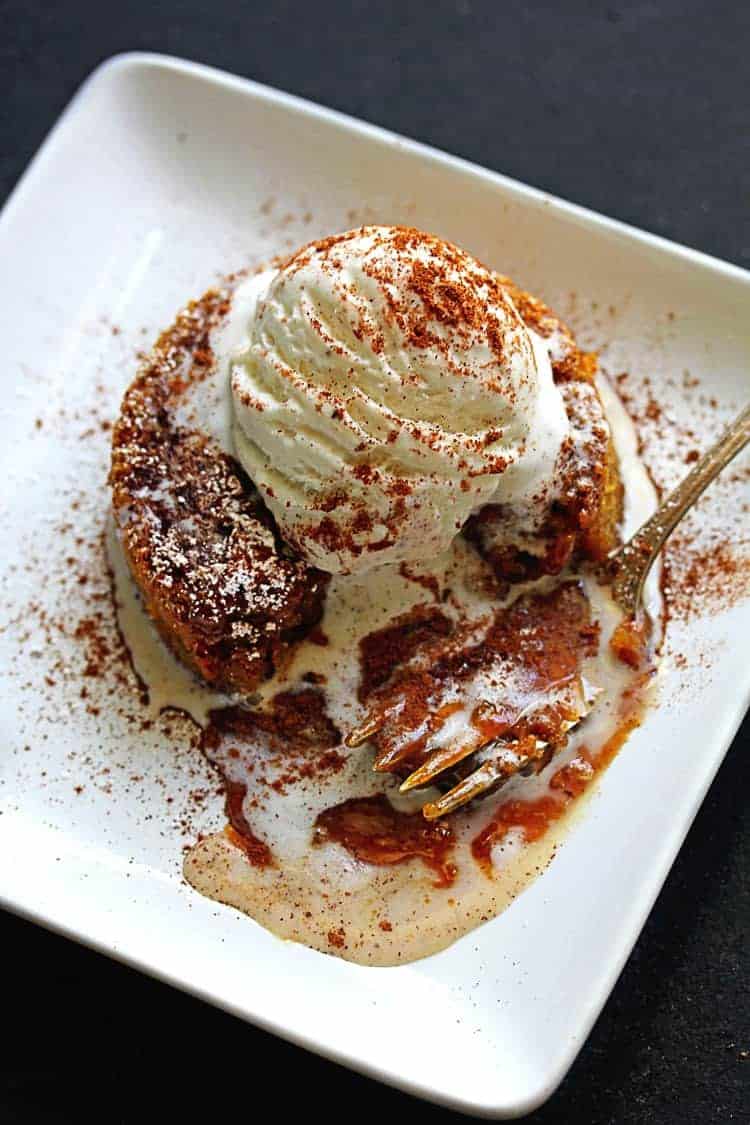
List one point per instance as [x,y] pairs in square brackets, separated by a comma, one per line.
[364,490]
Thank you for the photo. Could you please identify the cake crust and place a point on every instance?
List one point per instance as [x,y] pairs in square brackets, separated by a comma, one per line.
[584,516]
[225,593]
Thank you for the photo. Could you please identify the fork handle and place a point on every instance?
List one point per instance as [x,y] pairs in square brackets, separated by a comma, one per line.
[631,563]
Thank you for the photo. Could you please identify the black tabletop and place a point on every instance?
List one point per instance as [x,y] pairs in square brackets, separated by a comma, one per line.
[637,109]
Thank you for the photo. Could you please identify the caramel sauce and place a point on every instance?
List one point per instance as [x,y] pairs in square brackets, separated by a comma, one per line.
[374,832]
[575,777]
[296,732]
[426,581]
[384,650]
[606,753]
[316,636]
[568,783]
[295,723]
[239,831]
[533,817]
[630,640]
[546,635]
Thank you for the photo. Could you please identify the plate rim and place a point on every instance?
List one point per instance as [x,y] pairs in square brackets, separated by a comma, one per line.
[125,60]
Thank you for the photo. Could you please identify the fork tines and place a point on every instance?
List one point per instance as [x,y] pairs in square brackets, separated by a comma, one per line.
[521,749]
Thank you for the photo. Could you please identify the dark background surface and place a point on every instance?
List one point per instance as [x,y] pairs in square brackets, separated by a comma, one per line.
[639,110]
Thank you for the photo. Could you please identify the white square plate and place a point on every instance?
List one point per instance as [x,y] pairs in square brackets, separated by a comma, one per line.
[160,176]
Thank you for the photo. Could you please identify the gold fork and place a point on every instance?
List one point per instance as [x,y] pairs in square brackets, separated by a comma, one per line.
[625,570]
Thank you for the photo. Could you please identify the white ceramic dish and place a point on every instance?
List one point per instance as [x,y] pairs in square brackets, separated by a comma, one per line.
[159,176]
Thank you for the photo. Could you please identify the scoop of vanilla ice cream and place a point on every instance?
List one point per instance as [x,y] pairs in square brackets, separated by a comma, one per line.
[384,388]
